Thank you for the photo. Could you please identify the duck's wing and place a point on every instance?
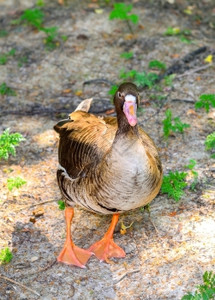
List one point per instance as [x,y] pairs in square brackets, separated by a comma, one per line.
[84,141]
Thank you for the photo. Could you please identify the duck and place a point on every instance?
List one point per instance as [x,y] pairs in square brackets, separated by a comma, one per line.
[107,165]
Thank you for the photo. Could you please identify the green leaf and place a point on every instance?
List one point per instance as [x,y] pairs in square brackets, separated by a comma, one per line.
[61,205]
[40,3]
[157,64]
[134,18]
[3,33]
[113,90]
[16,182]
[121,10]
[6,90]
[34,17]
[205,291]
[5,255]
[174,184]
[210,141]
[8,142]
[206,100]
[172,31]
[3,59]
[191,165]
[174,125]
[127,55]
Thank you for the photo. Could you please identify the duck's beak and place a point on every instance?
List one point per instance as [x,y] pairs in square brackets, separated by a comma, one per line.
[130,110]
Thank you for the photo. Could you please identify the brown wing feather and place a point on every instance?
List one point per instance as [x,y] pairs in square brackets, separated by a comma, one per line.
[84,140]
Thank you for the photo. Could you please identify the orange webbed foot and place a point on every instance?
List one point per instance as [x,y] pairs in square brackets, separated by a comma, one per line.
[106,248]
[73,255]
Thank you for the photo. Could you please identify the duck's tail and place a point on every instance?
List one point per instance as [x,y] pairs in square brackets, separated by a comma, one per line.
[84,105]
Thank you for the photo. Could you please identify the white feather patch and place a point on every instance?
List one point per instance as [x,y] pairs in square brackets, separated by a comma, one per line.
[130,98]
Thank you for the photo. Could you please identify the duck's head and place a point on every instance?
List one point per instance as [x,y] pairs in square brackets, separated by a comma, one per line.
[126,101]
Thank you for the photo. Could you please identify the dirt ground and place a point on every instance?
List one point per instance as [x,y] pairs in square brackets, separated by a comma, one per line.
[167,250]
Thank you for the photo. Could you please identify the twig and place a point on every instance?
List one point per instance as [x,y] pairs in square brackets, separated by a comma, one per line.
[185,100]
[41,269]
[98,80]
[32,205]
[20,284]
[125,274]
[195,70]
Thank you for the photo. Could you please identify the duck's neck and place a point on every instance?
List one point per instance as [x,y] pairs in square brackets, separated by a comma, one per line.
[124,127]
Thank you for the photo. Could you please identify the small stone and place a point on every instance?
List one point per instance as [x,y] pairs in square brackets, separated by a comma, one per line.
[34,258]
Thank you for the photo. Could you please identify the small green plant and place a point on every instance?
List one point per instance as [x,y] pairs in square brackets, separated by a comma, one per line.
[51,34]
[190,166]
[156,64]
[61,205]
[8,142]
[210,143]
[5,256]
[22,60]
[206,100]
[183,34]
[141,79]
[40,3]
[204,291]
[113,90]
[174,125]
[16,182]
[3,33]
[168,80]
[120,11]
[127,55]
[174,184]
[4,57]
[35,18]
[6,90]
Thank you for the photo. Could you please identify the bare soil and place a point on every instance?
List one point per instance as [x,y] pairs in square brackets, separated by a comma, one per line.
[167,250]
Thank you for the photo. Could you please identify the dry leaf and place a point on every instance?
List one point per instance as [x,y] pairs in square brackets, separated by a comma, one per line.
[79,93]
[209,59]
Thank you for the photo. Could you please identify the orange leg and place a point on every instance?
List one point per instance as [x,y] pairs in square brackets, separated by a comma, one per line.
[106,248]
[71,254]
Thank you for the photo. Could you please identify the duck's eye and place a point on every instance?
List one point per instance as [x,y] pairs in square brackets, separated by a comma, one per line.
[119,95]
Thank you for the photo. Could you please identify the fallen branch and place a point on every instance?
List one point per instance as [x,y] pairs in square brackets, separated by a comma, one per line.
[195,70]
[125,274]
[41,269]
[19,284]
[33,205]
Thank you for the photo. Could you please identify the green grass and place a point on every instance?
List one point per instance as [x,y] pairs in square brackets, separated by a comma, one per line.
[4,57]
[127,55]
[8,142]
[183,34]
[35,18]
[174,184]
[16,182]
[172,125]
[3,33]
[141,79]
[5,256]
[61,205]
[204,291]
[206,100]
[210,143]
[156,64]
[6,90]
[191,166]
